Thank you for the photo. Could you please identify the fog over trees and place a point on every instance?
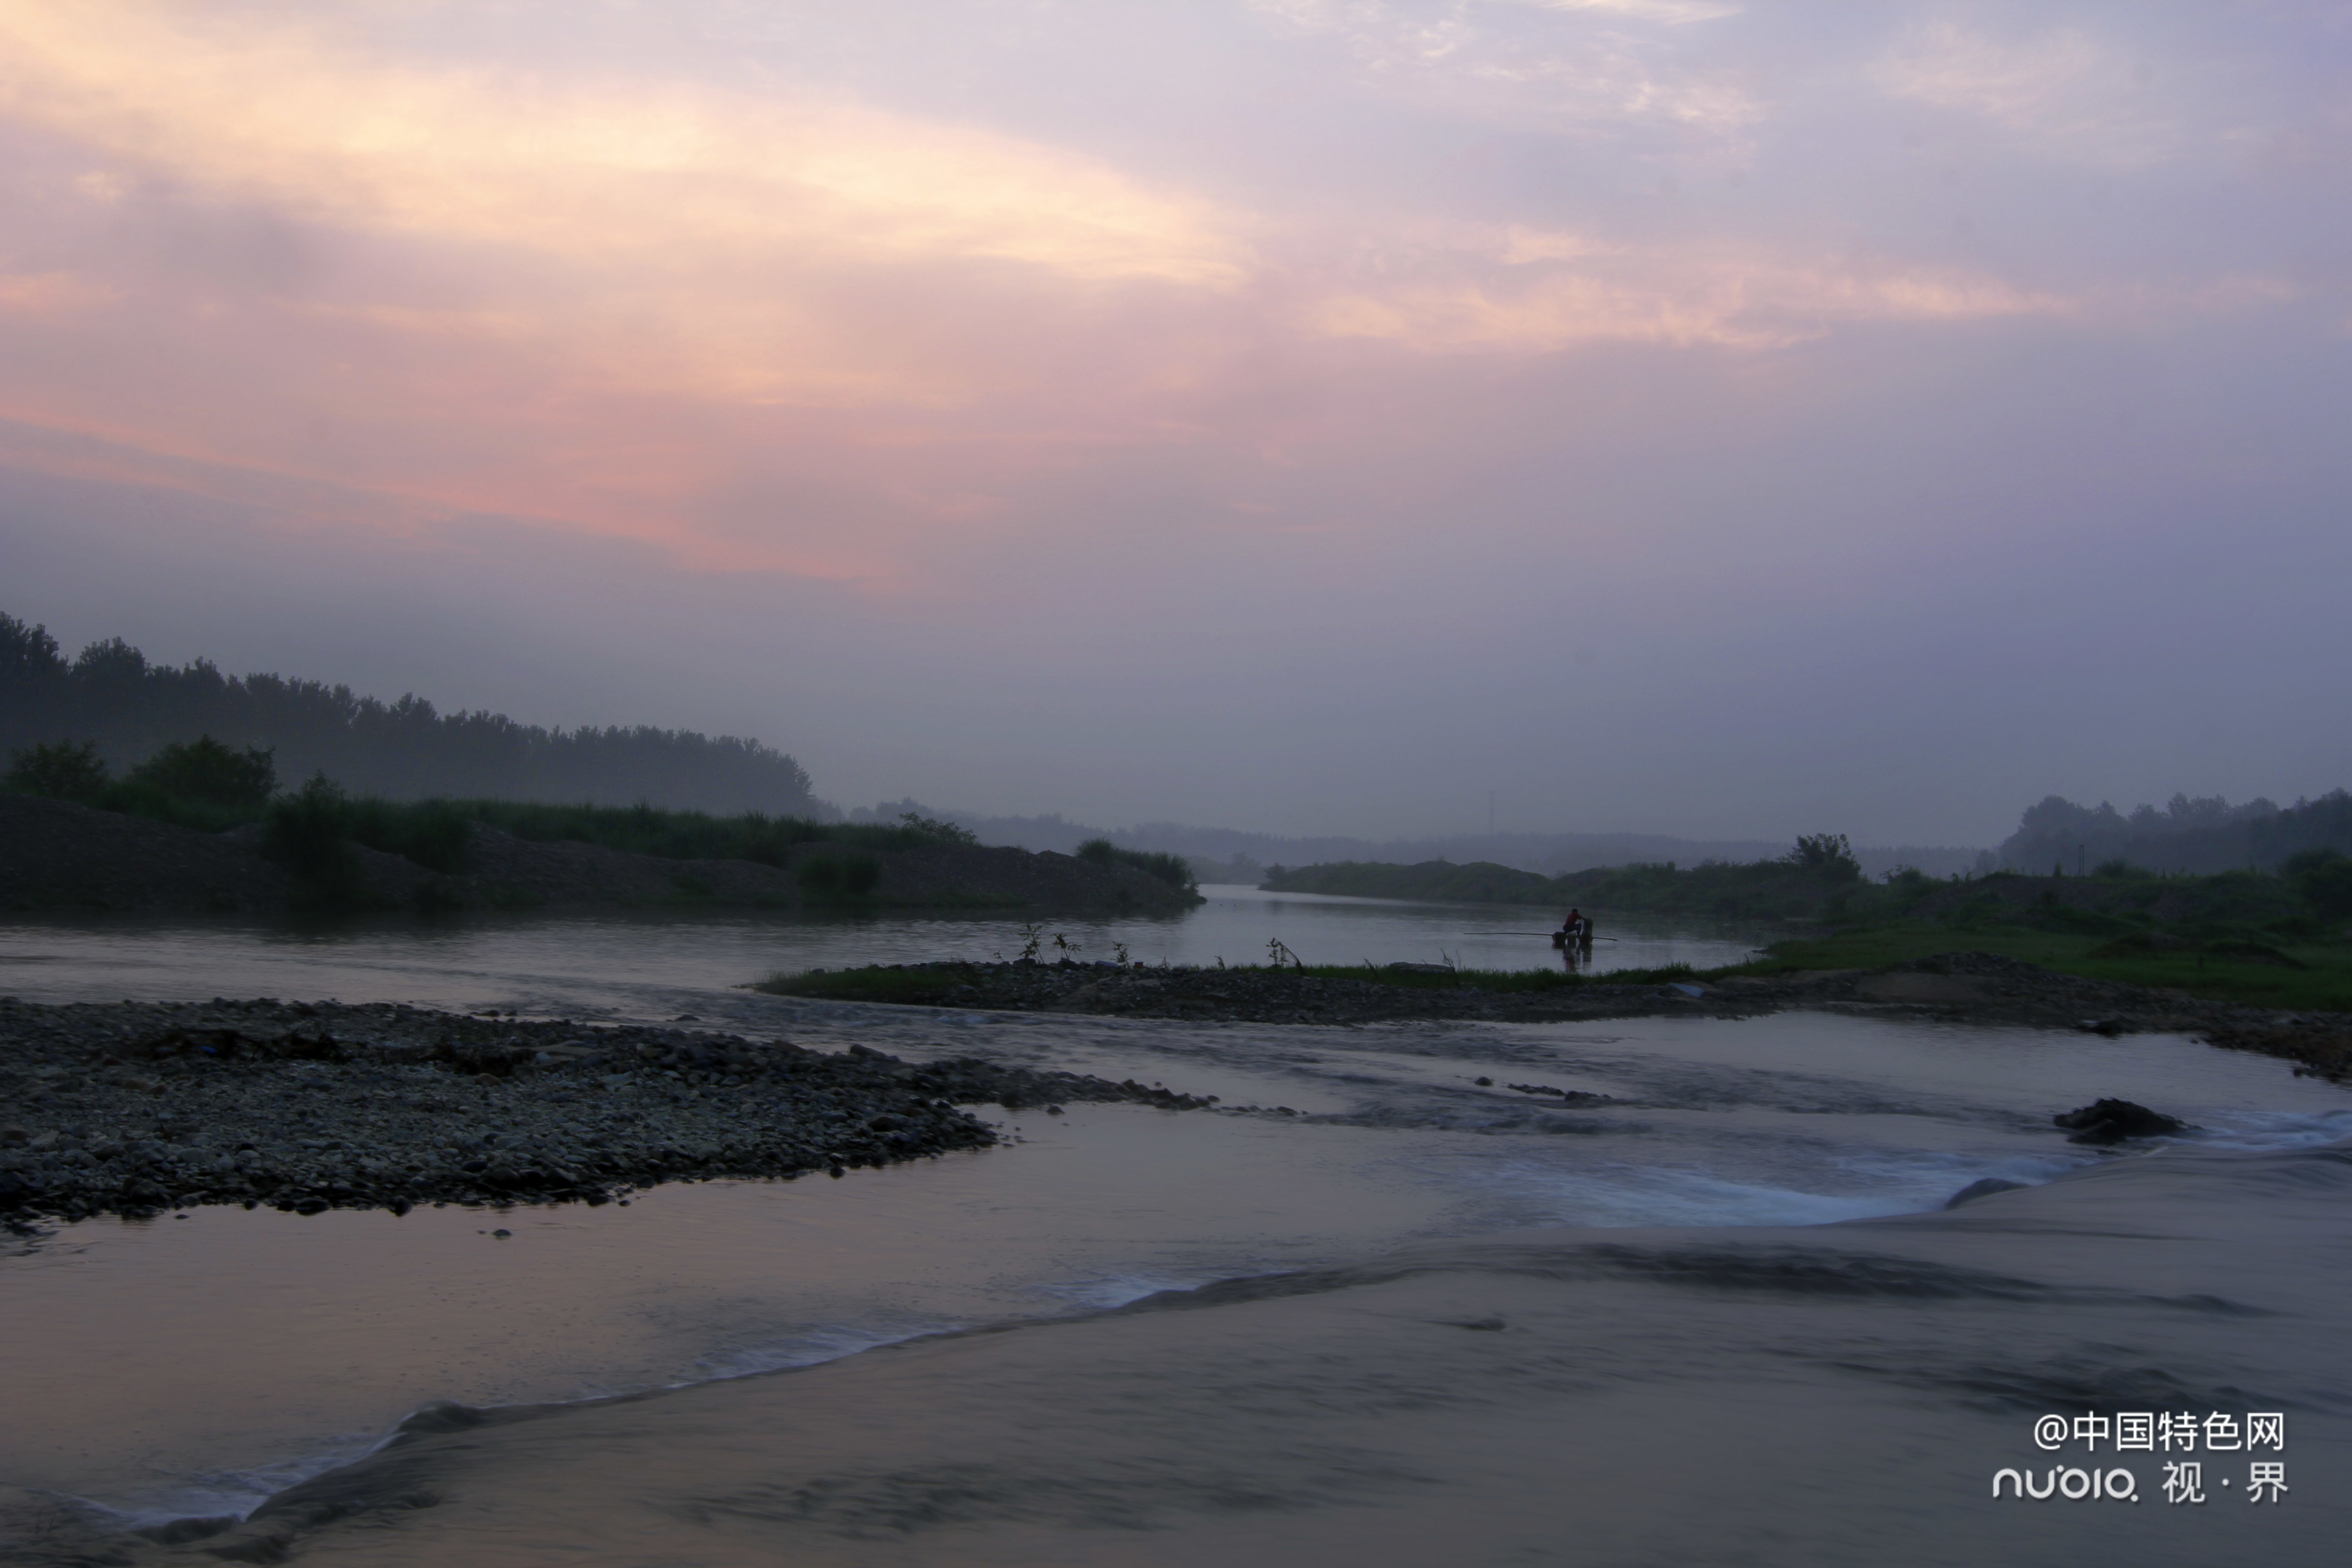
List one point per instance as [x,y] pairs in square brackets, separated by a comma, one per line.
[1244,855]
[110,695]
[2201,834]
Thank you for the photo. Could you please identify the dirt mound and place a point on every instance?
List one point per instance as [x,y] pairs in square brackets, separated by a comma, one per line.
[56,855]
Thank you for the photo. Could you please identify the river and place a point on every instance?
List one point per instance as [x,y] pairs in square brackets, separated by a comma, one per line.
[1724,1317]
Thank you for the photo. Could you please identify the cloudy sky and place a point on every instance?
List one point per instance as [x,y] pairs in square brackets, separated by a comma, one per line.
[1732,419]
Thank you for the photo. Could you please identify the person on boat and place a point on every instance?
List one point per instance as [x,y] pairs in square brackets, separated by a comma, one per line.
[1574,927]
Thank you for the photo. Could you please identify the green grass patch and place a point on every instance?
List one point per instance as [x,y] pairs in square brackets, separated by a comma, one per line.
[2222,968]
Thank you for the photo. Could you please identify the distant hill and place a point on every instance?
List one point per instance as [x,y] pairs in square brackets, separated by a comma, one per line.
[112,696]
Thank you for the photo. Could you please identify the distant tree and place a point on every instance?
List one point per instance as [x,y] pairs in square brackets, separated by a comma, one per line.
[62,770]
[937,828]
[2202,833]
[1828,855]
[27,654]
[1173,869]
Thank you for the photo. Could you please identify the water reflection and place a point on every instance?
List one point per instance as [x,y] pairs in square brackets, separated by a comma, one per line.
[616,965]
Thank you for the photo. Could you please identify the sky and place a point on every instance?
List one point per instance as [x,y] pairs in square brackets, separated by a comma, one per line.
[1729,419]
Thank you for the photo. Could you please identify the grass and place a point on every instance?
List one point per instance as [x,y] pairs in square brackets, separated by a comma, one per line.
[929,984]
[2221,969]
[2315,977]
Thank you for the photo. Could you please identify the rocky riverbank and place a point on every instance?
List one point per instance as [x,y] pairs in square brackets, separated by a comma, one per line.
[1978,987]
[139,1109]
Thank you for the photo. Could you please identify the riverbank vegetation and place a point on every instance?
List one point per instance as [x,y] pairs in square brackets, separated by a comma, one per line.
[2275,938]
[313,831]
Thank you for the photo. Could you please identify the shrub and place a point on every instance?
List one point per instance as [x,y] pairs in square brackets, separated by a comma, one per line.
[936,829]
[205,773]
[308,833]
[2323,880]
[641,830]
[60,770]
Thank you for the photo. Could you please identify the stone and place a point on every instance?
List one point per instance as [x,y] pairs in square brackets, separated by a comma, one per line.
[2114,1120]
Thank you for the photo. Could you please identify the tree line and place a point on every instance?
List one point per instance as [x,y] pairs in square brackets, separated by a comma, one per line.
[2200,835]
[128,710]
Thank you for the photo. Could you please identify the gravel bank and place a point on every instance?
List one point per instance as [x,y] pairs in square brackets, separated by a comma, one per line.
[138,1107]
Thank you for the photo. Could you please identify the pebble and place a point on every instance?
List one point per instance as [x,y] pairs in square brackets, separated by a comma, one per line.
[142,1108]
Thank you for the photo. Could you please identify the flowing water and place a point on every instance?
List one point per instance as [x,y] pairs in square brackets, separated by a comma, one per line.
[1722,1318]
